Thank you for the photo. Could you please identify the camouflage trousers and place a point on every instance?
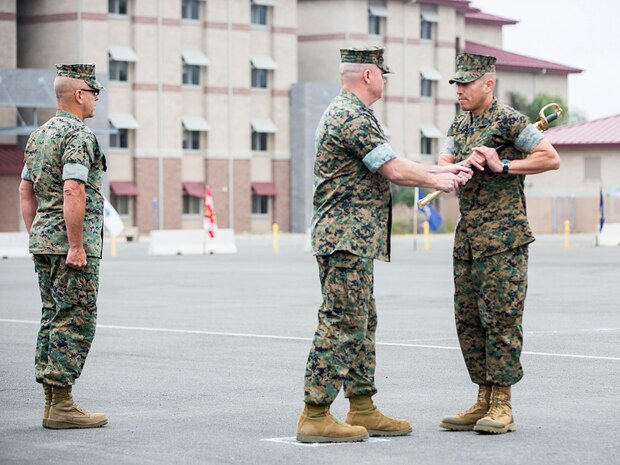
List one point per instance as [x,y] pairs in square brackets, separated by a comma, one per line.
[489,299]
[343,350]
[68,318]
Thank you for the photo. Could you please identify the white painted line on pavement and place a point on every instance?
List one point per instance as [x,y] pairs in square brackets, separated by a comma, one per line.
[293,441]
[293,338]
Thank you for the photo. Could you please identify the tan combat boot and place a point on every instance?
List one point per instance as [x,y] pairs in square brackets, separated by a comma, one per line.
[465,421]
[499,418]
[363,412]
[47,390]
[64,413]
[316,424]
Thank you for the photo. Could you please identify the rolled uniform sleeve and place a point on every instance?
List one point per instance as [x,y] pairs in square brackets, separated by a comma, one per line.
[378,156]
[528,139]
[25,174]
[448,146]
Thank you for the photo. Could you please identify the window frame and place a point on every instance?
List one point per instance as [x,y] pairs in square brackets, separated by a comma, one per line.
[115,7]
[190,75]
[259,77]
[192,140]
[426,29]
[260,205]
[426,145]
[426,87]
[121,140]
[192,206]
[123,204]
[116,68]
[190,8]
[259,13]
[260,141]
[375,23]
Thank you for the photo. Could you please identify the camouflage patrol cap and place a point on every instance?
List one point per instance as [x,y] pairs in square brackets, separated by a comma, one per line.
[83,71]
[470,67]
[372,55]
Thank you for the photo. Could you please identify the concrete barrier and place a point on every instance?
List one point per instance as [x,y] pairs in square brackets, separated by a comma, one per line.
[610,235]
[191,242]
[14,244]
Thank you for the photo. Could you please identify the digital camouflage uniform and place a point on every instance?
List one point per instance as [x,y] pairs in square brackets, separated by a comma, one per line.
[65,148]
[491,246]
[350,228]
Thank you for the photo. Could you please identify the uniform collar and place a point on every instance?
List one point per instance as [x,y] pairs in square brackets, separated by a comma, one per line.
[66,114]
[485,118]
[351,96]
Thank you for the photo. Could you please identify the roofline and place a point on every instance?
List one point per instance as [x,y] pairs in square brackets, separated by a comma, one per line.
[581,145]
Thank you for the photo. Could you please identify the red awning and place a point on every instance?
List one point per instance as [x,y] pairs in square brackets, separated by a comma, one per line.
[195,189]
[123,188]
[264,188]
[11,159]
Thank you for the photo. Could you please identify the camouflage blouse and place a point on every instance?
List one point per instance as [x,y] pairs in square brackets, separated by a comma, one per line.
[493,215]
[352,202]
[64,148]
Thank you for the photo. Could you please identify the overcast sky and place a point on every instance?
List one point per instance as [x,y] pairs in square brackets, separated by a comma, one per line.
[577,33]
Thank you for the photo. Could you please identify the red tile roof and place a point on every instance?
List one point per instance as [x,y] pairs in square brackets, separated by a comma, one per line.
[475,16]
[508,61]
[11,159]
[603,132]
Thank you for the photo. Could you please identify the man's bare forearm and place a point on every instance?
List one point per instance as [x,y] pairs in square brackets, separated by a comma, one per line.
[28,203]
[74,207]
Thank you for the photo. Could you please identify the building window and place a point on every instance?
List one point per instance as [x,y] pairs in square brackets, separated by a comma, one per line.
[192,205]
[260,204]
[426,145]
[191,74]
[119,70]
[120,140]
[259,78]
[374,25]
[426,87]
[259,14]
[259,141]
[592,168]
[189,9]
[191,140]
[426,29]
[117,7]
[121,203]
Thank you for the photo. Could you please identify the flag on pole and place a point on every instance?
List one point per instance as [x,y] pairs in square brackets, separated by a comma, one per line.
[601,211]
[210,222]
[432,216]
[111,219]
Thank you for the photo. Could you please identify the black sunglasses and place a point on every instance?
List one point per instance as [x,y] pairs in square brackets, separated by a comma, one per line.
[95,92]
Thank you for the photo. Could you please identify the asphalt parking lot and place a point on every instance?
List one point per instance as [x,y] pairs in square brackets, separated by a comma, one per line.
[200,360]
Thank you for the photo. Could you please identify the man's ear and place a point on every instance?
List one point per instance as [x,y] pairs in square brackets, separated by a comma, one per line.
[366,75]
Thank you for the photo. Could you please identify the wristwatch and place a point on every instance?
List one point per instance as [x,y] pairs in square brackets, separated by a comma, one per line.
[505,166]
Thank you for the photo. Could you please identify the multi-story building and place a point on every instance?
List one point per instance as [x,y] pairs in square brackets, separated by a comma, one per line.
[198,93]
[227,94]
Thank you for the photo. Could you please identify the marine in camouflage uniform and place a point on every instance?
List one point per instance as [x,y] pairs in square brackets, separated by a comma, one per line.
[350,229]
[492,236]
[65,149]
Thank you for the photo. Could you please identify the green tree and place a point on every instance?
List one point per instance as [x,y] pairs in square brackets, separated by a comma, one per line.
[531,109]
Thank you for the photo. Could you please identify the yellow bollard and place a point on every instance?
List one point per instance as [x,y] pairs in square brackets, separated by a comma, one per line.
[113,246]
[426,228]
[567,234]
[276,242]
